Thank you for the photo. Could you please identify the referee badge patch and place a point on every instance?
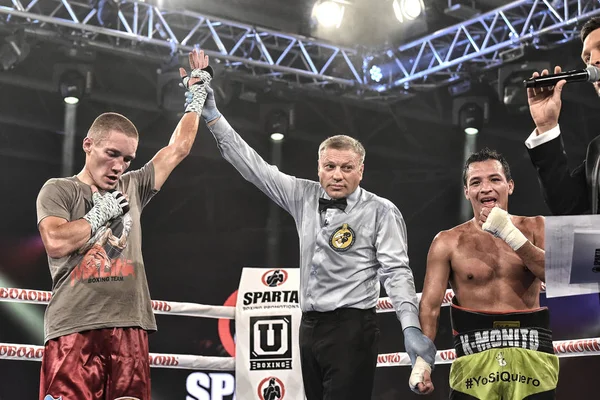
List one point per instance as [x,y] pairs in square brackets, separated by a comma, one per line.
[342,239]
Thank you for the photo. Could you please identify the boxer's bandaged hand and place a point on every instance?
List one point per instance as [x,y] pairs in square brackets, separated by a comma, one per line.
[106,207]
[417,344]
[195,98]
[196,93]
[204,75]
[498,223]
[121,199]
[210,111]
[421,351]
[95,238]
[417,374]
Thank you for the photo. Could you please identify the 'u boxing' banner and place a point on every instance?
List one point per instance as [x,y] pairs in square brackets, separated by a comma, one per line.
[267,322]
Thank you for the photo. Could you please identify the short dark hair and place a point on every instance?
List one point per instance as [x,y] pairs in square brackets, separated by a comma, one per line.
[591,25]
[112,121]
[484,155]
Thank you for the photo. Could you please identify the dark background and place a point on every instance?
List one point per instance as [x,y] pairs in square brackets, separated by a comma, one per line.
[207,222]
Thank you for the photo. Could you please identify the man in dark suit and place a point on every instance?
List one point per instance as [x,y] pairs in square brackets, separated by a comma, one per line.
[566,192]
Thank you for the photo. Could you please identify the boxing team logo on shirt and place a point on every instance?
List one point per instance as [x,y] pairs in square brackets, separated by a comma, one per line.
[342,239]
[102,261]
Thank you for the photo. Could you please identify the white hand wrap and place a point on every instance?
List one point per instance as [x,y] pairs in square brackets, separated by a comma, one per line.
[121,199]
[196,94]
[106,207]
[498,223]
[417,374]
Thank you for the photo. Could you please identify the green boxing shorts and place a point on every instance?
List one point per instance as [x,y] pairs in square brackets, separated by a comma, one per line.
[502,356]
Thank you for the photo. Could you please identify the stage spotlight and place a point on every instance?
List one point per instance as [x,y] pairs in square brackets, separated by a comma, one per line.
[376,73]
[408,10]
[277,124]
[71,85]
[72,80]
[470,118]
[470,113]
[328,13]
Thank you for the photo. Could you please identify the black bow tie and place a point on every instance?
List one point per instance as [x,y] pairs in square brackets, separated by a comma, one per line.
[324,204]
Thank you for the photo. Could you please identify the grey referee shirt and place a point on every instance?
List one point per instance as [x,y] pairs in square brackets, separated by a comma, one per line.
[343,254]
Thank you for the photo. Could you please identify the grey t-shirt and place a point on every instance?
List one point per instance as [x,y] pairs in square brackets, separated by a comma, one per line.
[103,284]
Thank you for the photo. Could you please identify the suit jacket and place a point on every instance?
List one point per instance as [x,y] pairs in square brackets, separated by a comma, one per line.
[565,192]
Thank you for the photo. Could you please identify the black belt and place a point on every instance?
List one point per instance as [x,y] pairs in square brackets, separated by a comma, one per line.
[477,331]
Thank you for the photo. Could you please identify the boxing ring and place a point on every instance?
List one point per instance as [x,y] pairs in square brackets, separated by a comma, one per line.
[26,352]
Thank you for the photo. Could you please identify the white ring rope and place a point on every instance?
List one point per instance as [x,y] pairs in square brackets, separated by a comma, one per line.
[28,352]
[10,351]
[16,295]
[562,348]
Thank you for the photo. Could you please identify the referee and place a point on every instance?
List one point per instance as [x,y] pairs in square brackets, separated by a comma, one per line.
[350,241]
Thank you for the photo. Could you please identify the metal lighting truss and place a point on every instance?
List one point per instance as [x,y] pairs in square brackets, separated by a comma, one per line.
[479,43]
[143,29]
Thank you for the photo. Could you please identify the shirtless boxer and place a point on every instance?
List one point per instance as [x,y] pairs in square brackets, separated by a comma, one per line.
[495,266]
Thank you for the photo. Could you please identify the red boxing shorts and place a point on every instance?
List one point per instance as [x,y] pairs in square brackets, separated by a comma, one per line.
[101,364]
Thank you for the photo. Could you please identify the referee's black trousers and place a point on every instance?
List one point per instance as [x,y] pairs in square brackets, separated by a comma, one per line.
[338,352]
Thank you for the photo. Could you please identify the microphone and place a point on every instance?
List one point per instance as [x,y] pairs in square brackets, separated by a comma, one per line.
[590,74]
